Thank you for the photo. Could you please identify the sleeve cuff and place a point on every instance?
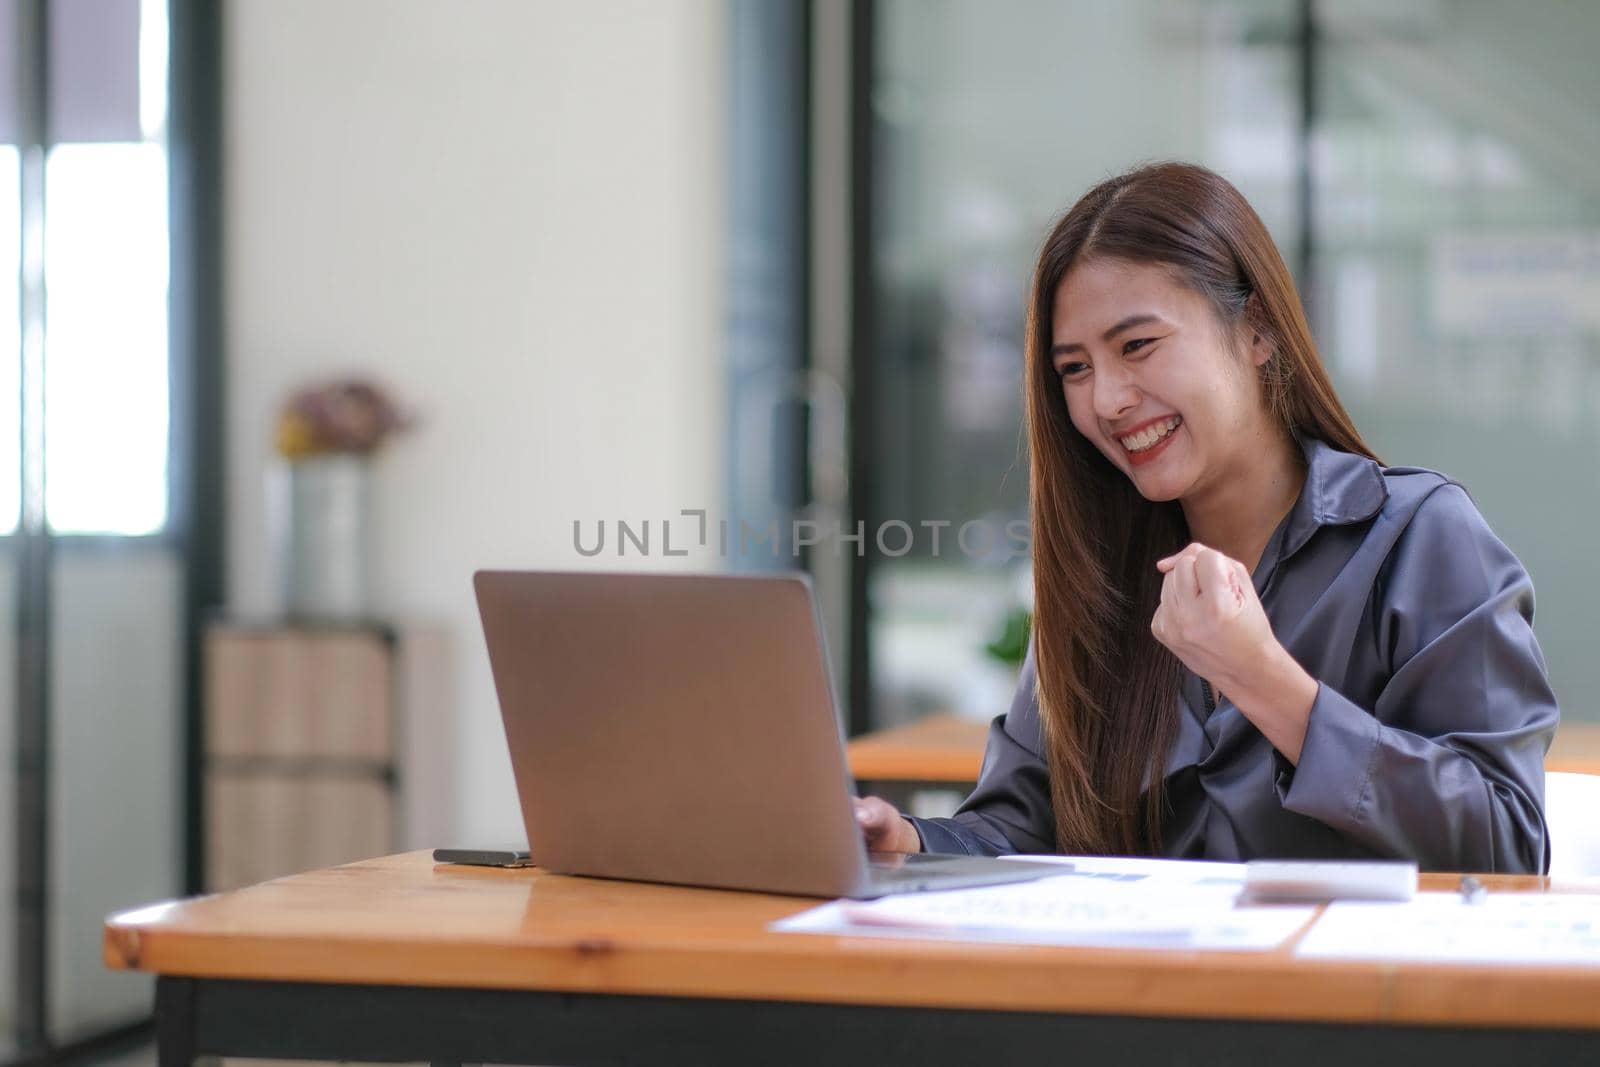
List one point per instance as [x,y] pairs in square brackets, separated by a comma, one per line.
[936,838]
[1333,777]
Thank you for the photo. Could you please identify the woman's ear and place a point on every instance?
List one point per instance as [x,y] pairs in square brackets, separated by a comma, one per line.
[1256,332]
[1261,349]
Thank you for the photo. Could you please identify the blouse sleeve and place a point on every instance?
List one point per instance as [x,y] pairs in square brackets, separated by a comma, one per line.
[1009,811]
[1448,767]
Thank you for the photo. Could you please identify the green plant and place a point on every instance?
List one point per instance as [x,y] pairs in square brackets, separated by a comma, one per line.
[1011,645]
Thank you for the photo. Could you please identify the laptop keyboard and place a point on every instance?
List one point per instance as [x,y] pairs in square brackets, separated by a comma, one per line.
[916,868]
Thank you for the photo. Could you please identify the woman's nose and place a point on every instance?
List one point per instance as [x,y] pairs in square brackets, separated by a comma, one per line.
[1114,392]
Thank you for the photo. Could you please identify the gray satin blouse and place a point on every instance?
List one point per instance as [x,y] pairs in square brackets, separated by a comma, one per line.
[1433,710]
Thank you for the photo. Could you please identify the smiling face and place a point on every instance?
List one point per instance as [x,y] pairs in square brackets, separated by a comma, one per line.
[1164,390]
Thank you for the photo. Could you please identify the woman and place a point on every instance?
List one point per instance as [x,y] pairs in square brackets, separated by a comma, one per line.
[1251,639]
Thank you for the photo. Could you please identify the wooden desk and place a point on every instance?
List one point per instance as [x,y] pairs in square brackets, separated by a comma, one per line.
[397,959]
[945,749]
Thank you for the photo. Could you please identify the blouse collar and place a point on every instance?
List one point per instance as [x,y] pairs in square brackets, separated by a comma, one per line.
[1341,488]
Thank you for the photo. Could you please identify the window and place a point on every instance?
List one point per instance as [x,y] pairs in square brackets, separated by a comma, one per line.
[106,273]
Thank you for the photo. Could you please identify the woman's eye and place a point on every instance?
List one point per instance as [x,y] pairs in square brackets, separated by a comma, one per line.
[1071,370]
[1135,345]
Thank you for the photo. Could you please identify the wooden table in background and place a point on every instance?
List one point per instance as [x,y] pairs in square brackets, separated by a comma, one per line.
[399,959]
[947,750]
[941,748]
[1576,749]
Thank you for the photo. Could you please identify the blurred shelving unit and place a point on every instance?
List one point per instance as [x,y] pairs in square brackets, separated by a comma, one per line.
[301,767]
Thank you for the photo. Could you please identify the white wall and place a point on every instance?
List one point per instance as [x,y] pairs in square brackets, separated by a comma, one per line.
[510,212]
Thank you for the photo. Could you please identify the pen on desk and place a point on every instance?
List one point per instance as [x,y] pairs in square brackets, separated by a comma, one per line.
[1472,890]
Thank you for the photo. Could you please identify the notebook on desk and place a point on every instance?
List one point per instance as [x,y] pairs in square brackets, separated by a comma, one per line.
[681,728]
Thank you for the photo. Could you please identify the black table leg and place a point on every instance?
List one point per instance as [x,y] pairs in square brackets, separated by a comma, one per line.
[175,1022]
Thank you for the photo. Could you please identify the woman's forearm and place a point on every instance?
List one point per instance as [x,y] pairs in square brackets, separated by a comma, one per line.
[1277,698]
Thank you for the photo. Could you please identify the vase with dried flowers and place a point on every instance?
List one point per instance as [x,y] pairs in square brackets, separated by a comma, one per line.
[319,497]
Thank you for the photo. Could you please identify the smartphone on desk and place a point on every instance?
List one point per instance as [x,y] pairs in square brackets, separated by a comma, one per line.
[484,857]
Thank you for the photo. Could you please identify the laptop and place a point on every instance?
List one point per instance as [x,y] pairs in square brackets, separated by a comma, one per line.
[681,728]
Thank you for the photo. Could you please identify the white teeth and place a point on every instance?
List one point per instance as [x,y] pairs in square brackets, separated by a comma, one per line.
[1150,435]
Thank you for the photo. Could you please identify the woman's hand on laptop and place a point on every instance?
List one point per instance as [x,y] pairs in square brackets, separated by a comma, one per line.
[883,828]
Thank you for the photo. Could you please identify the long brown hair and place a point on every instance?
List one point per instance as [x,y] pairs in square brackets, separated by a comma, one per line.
[1107,689]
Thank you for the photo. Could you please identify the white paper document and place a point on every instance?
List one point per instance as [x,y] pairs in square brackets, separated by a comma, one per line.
[1101,902]
[1139,869]
[1504,928]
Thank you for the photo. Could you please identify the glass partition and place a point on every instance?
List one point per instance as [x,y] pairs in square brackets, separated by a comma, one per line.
[1457,281]
[117,600]
[92,662]
[989,121]
[1451,157]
